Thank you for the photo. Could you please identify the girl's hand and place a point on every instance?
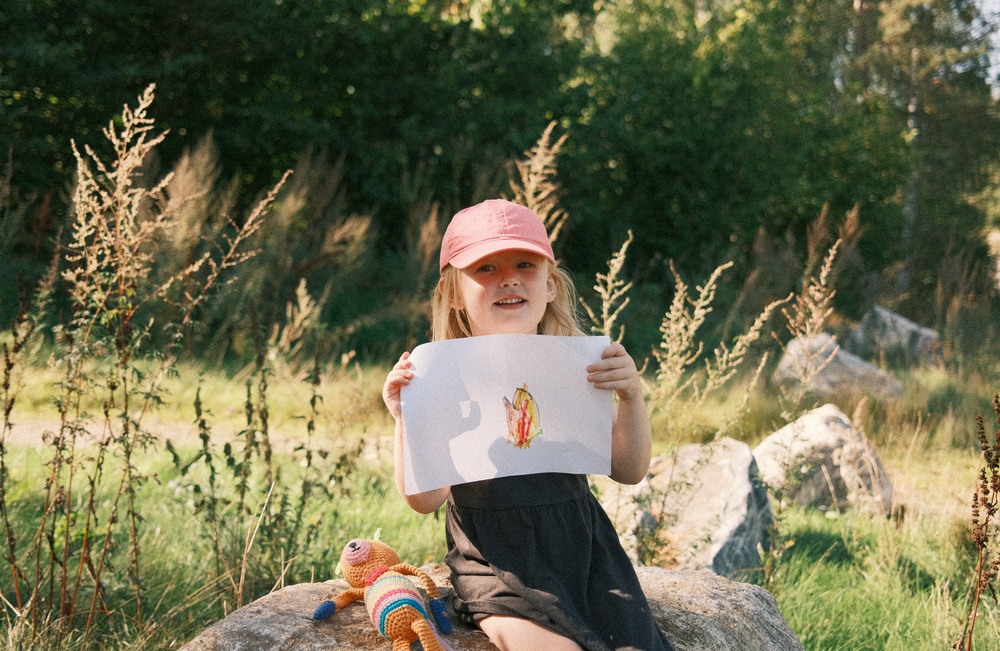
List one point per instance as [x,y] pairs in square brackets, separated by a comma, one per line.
[399,376]
[631,437]
[617,372]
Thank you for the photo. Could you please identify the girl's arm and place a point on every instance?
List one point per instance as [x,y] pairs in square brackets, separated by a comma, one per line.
[631,436]
[399,376]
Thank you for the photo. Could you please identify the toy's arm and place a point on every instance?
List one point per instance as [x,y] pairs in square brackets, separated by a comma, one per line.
[437,602]
[330,606]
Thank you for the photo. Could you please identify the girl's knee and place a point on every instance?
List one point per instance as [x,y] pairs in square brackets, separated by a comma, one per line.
[517,634]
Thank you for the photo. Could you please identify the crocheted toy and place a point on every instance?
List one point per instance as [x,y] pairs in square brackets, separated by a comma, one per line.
[396,608]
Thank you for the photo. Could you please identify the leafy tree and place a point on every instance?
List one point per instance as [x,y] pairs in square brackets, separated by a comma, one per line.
[705,123]
[699,124]
[424,101]
[930,60]
[418,89]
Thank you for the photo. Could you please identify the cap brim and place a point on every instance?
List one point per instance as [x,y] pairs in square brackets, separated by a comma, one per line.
[479,251]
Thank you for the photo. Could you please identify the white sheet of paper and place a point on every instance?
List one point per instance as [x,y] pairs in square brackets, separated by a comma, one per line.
[455,422]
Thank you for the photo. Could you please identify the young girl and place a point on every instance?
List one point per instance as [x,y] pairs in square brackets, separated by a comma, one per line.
[535,561]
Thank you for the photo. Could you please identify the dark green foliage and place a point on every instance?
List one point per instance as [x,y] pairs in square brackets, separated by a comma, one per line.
[706,134]
[389,86]
[695,135]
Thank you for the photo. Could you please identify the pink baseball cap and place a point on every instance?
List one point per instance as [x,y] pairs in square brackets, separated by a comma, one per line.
[491,226]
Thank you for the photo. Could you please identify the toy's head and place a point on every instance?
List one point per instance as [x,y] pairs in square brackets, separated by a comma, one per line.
[361,556]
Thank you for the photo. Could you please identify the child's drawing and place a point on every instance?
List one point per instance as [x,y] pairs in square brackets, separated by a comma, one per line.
[523,425]
[461,423]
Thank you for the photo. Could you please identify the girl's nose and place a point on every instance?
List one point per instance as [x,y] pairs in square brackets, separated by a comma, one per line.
[509,279]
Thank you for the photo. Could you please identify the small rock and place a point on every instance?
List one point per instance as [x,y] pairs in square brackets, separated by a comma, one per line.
[884,334]
[830,371]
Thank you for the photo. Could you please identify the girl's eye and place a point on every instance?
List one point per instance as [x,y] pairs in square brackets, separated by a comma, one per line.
[526,265]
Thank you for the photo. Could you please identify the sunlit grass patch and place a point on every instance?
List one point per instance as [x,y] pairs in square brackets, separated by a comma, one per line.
[854,582]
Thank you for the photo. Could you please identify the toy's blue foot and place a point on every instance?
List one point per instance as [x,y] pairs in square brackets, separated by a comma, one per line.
[440,616]
[324,610]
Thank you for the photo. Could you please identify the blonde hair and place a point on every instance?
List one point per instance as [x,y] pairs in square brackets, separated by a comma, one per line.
[450,322]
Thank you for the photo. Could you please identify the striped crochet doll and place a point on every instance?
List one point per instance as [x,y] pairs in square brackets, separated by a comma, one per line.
[394,605]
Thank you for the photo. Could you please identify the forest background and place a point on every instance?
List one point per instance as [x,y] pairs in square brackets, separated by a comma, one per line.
[715,130]
[160,287]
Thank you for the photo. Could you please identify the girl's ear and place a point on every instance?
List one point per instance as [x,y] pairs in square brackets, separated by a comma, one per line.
[451,292]
[550,287]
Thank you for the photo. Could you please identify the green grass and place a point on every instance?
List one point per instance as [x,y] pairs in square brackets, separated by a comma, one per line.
[861,583]
[847,582]
[351,494]
[183,591]
[345,393]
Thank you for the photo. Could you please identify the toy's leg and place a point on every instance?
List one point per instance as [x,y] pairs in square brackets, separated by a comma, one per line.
[425,633]
[400,645]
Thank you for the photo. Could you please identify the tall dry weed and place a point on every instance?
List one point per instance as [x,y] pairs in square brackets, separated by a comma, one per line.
[985,529]
[21,330]
[681,386]
[308,237]
[87,544]
[13,213]
[534,181]
[301,318]
[963,279]
[612,290]
[200,207]
[423,239]
[807,317]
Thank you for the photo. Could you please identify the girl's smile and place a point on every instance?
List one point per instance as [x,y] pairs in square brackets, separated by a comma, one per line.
[506,292]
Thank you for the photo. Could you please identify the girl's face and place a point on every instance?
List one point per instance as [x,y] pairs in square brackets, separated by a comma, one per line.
[506,293]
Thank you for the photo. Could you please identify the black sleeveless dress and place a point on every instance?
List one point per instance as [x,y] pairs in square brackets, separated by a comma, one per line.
[542,548]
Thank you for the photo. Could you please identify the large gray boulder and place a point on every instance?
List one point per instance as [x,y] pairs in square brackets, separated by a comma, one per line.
[701,611]
[884,334]
[701,507]
[698,611]
[821,460]
[830,371]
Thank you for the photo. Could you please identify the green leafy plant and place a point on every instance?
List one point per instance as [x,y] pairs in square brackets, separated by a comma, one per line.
[258,510]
